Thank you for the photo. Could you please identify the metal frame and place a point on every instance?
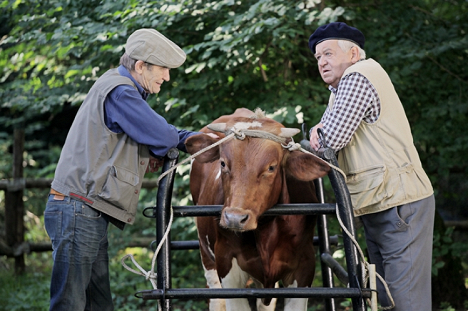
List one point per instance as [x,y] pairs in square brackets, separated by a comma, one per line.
[353,275]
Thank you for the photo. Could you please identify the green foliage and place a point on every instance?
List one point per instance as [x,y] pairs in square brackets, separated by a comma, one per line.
[444,244]
[250,54]
[29,291]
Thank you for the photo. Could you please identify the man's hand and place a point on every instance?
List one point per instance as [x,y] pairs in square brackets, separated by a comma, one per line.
[154,165]
[314,139]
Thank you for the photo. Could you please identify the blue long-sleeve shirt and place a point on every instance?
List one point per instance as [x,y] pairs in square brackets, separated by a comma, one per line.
[126,110]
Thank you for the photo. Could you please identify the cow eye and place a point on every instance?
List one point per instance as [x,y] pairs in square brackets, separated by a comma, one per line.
[223,164]
[271,168]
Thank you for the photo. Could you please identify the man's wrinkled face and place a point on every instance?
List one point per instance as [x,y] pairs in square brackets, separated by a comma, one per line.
[332,61]
[152,77]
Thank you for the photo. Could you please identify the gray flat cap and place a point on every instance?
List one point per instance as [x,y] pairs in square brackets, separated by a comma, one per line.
[152,47]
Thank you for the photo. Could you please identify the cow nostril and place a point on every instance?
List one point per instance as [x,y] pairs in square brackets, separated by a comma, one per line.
[244,219]
[235,220]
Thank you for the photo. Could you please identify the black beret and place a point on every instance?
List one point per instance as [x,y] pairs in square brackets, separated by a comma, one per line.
[336,31]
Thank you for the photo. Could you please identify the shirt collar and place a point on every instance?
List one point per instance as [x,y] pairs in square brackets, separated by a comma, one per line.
[332,89]
[124,72]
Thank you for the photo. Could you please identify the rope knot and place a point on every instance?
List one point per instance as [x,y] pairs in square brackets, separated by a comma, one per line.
[291,146]
[239,133]
[150,275]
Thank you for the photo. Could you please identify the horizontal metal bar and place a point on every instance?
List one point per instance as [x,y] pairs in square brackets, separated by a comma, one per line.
[194,244]
[279,209]
[183,245]
[301,292]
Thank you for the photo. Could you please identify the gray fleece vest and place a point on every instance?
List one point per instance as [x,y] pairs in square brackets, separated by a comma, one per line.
[97,166]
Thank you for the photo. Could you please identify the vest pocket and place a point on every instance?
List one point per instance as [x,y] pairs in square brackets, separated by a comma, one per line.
[119,187]
[367,187]
[412,184]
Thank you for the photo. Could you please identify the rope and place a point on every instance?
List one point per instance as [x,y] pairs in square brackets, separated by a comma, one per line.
[291,146]
[365,263]
[151,275]
[239,134]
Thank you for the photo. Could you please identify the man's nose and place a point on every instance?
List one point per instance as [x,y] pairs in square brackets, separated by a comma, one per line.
[167,76]
[322,61]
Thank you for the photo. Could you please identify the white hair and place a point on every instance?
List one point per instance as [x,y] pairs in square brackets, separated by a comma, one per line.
[346,45]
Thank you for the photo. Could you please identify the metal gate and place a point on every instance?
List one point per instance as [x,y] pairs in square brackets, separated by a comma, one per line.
[353,276]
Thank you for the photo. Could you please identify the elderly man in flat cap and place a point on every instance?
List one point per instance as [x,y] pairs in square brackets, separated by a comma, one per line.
[366,124]
[115,138]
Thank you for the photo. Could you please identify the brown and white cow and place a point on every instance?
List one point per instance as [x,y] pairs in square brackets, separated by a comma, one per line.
[248,177]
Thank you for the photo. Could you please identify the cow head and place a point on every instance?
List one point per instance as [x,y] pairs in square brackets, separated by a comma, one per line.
[253,170]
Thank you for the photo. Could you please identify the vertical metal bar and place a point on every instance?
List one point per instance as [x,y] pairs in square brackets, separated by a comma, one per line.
[163,205]
[324,245]
[345,211]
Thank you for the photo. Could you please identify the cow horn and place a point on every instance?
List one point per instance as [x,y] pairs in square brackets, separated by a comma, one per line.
[288,132]
[217,127]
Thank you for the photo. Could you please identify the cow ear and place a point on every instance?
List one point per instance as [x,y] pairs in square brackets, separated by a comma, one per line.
[304,166]
[195,143]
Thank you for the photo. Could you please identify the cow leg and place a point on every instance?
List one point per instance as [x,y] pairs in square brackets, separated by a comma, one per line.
[295,304]
[236,278]
[260,305]
[205,237]
[212,280]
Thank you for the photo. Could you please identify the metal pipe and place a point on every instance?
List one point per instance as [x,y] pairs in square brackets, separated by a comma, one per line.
[279,209]
[162,211]
[337,269]
[194,244]
[299,292]
[345,211]
[324,246]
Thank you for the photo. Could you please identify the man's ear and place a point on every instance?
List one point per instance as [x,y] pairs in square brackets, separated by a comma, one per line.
[355,55]
[139,66]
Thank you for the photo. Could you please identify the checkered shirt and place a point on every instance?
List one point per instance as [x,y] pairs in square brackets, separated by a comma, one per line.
[356,100]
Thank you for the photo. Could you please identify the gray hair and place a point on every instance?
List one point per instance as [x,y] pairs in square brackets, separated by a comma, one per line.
[346,45]
[129,63]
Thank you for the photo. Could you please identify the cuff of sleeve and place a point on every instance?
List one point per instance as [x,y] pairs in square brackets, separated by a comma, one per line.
[310,131]
[155,156]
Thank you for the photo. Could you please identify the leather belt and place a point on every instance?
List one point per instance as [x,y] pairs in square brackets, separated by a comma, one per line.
[57,195]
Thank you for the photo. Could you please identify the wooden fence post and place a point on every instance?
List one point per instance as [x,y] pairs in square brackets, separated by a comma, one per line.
[14,206]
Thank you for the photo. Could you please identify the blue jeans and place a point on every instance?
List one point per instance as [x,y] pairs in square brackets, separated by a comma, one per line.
[80,276]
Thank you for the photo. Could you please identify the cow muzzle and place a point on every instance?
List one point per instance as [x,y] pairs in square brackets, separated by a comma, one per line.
[238,219]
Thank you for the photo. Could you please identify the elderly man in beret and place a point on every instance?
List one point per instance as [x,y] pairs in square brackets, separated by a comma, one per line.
[115,138]
[365,123]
